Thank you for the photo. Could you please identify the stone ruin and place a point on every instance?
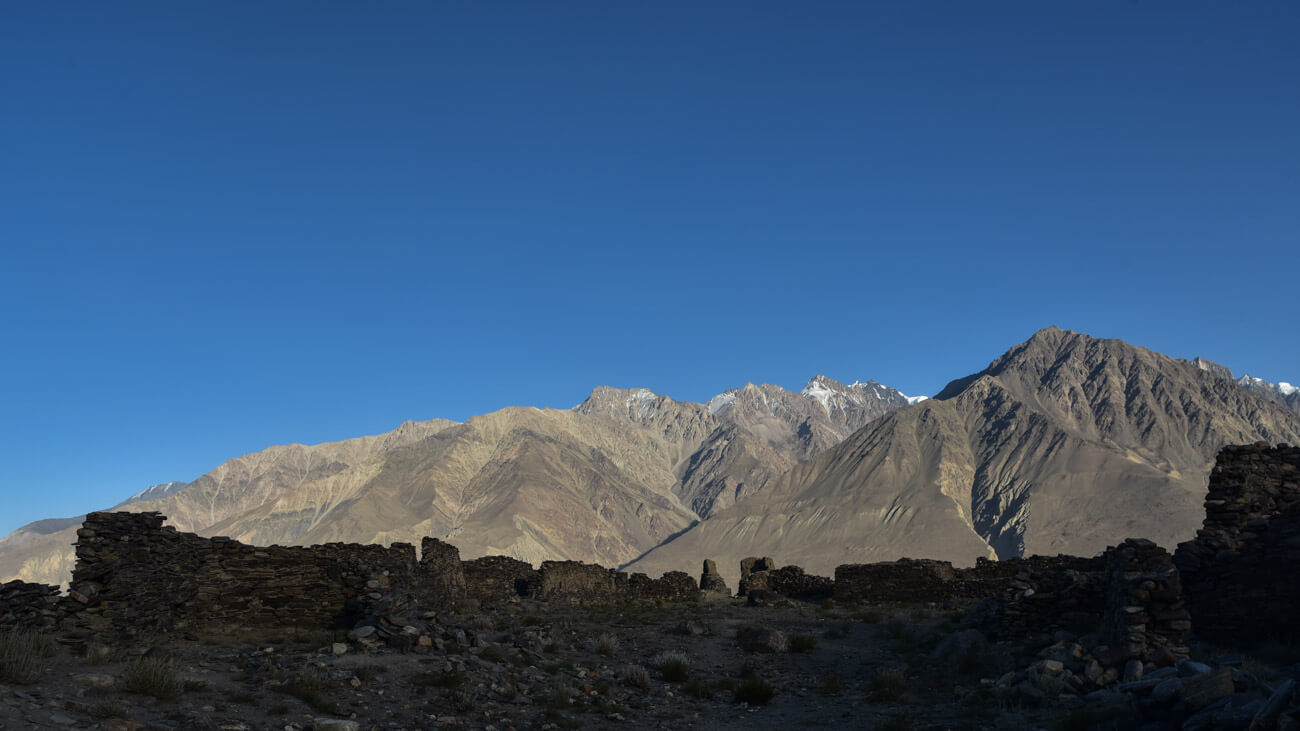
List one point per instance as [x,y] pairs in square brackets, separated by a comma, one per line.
[1239,574]
[1236,581]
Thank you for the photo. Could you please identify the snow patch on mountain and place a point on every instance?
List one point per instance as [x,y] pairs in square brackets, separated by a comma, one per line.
[722,402]
[1281,387]
[818,388]
[156,492]
[642,403]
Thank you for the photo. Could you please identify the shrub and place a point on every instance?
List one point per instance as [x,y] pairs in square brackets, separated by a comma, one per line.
[635,676]
[98,653]
[607,644]
[673,665]
[309,686]
[831,686]
[748,669]
[699,688]
[755,692]
[153,676]
[20,655]
[888,684]
[802,643]
[491,654]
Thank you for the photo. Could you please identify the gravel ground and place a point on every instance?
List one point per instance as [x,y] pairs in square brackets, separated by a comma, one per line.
[709,665]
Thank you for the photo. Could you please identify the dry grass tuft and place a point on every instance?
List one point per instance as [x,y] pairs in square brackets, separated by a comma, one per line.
[153,676]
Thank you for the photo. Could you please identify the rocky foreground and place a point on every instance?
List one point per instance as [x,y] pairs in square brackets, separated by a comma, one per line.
[706,664]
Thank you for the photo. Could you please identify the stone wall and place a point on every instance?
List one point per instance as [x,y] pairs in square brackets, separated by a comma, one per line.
[496,580]
[29,606]
[926,580]
[672,586]
[1146,618]
[1241,573]
[440,577]
[575,582]
[788,581]
[141,575]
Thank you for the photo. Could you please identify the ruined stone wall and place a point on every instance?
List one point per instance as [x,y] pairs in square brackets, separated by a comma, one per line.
[788,581]
[440,577]
[1241,573]
[1146,617]
[926,580]
[574,581]
[141,575]
[495,580]
[672,586]
[29,606]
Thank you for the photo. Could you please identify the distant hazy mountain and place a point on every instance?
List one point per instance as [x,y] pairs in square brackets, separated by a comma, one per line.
[605,481]
[1066,443]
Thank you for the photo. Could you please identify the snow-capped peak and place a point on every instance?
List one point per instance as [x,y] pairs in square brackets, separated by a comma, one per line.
[911,400]
[820,388]
[642,402]
[1282,387]
[722,402]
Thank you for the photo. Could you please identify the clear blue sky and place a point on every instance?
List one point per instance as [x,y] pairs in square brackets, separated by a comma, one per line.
[229,225]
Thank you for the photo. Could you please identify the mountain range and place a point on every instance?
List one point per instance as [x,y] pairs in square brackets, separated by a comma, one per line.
[1064,444]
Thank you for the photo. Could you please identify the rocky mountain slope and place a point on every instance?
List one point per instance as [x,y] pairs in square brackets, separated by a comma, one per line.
[1281,392]
[42,551]
[1065,444]
[603,482]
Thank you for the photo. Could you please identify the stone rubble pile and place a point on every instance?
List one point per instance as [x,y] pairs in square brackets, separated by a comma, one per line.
[24,604]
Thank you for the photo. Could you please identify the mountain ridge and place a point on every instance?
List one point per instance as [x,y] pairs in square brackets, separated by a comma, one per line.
[604,481]
[1065,443]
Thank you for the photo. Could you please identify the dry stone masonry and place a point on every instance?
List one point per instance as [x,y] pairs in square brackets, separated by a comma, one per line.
[1239,574]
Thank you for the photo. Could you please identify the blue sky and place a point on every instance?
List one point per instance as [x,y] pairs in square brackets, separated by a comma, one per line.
[230,225]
